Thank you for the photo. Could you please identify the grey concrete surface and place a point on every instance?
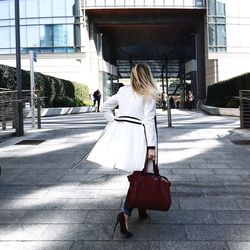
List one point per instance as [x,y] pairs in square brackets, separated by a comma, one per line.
[43,205]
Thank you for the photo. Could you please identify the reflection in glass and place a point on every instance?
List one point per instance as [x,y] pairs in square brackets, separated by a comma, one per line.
[71,7]
[178,2]
[221,35]
[139,2]
[159,2]
[5,9]
[12,37]
[22,8]
[5,37]
[216,25]
[45,7]
[32,9]
[59,8]
[23,37]
[129,2]
[33,37]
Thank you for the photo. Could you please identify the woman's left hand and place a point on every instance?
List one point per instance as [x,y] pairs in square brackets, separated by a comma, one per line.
[151,154]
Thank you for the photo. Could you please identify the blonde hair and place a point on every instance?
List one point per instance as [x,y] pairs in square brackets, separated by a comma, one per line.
[142,81]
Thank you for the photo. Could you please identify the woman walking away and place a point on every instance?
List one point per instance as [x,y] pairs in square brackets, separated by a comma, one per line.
[131,134]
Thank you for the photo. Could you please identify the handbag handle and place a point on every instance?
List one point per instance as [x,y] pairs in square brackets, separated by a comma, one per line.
[156,169]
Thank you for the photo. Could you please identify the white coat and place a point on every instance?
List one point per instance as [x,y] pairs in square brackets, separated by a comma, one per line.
[123,144]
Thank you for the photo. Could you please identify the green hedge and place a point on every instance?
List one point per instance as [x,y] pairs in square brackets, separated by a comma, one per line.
[57,92]
[221,93]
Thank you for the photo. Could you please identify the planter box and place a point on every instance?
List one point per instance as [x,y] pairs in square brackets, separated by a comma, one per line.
[61,111]
[220,111]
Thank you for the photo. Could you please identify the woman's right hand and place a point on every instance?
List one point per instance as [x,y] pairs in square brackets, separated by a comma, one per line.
[151,154]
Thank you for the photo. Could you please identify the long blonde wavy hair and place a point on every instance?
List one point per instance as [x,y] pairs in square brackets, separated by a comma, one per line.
[142,81]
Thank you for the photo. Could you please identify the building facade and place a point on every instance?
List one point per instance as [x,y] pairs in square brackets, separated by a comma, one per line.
[189,44]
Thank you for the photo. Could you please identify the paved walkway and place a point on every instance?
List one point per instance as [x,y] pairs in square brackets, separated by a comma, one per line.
[45,206]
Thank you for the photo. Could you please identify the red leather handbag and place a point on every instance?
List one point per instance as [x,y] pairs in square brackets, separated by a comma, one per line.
[149,190]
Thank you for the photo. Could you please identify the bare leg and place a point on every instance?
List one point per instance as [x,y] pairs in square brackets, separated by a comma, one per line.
[126,220]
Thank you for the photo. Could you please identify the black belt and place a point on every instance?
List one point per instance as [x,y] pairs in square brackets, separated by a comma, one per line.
[130,119]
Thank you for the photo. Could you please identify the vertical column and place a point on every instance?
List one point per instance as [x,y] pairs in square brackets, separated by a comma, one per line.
[19,118]
[93,59]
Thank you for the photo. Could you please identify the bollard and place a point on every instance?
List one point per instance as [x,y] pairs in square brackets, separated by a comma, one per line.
[169,113]
[38,111]
[4,117]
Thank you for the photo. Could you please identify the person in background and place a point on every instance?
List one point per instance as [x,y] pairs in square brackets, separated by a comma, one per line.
[130,136]
[97,99]
[189,100]
[164,100]
[171,102]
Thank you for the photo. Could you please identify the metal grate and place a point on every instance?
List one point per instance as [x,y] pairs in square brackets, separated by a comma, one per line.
[29,142]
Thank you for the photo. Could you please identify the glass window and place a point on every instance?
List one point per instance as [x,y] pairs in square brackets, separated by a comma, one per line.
[59,20]
[221,35]
[220,9]
[119,2]
[139,2]
[102,3]
[59,8]
[5,9]
[72,20]
[149,3]
[200,3]
[12,9]
[178,2]
[72,8]
[211,7]
[188,3]
[45,8]
[23,36]
[129,2]
[159,2]
[90,2]
[212,38]
[13,37]
[59,35]
[45,20]
[5,51]
[33,36]
[22,8]
[5,37]
[169,2]
[70,34]
[111,2]
[32,8]
[4,22]
[33,21]
[46,34]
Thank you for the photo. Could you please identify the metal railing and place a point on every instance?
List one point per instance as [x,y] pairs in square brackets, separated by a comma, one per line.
[9,108]
[143,3]
[245,108]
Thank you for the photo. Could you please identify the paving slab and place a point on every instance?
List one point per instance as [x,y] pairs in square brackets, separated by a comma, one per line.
[45,204]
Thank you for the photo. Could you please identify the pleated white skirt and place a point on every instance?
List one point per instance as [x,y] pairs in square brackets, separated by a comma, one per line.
[122,145]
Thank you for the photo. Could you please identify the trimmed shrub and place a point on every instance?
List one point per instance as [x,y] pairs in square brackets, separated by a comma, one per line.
[8,77]
[69,88]
[221,94]
[78,102]
[82,93]
[63,101]
[55,91]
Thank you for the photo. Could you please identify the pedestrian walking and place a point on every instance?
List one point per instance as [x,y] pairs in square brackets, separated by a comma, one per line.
[129,136]
[164,100]
[97,99]
[189,100]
